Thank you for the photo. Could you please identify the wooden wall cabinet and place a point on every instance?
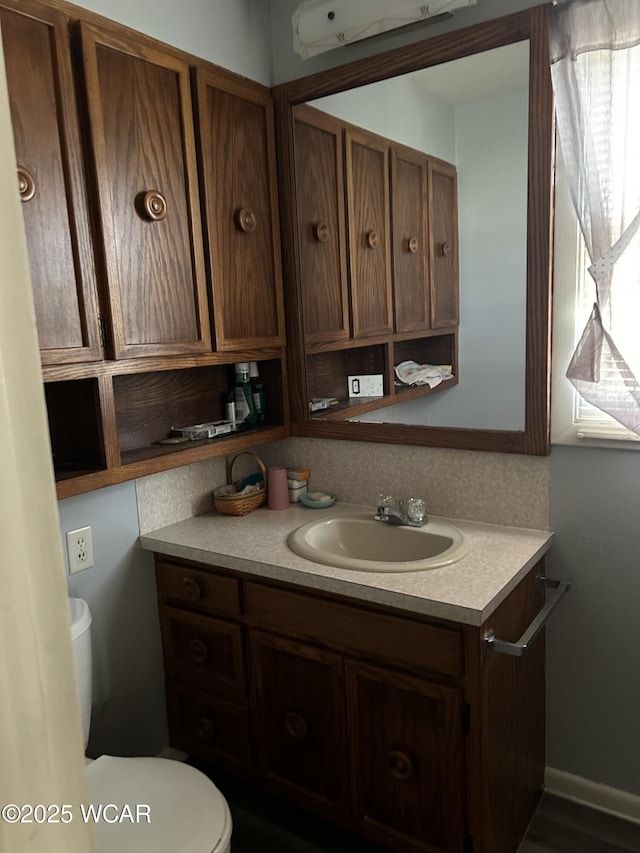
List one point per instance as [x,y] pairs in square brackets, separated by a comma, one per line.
[377,260]
[51,181]
[393,724]
[236,139]
[141,128]
[112,208]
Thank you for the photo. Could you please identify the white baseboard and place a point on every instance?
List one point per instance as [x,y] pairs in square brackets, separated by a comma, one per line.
[592,794]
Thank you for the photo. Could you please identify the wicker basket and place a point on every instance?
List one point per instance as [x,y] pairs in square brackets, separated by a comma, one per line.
[241,504]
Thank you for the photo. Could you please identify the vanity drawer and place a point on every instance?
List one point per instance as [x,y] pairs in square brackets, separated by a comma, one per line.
[197,588]
[203,651]
[355,630]
[209,727]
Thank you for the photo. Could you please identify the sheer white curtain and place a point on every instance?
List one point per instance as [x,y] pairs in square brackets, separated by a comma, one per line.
[595,69]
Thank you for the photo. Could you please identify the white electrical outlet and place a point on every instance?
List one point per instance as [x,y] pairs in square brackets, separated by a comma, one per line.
[80,549]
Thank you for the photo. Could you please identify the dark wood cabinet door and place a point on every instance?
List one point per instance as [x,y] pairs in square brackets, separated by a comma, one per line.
[409,209]
[368,223]
[406,739]
[237,158]
[51,181]
[299,717]
[443,216]
[141,125]
[322,251]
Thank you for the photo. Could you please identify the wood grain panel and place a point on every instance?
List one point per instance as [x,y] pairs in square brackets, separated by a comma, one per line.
[321,225]
[237,159]
[409,211]
[443,218]
[299,713]
[143,141]
[355,630]
[46,136]
[368,223]
[197,589]
[407,749]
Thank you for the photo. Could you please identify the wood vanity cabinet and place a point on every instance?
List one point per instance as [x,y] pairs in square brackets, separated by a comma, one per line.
[236,139]
[138,101]
[396,725]
[51,181]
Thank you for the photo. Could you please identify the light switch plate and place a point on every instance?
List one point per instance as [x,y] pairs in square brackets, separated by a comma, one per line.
[366,385]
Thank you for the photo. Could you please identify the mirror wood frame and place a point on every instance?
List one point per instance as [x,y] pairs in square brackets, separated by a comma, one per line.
[528,25]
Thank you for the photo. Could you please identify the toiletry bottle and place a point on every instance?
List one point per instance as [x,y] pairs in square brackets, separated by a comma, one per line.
[243,398]
[229,406]
[257,389]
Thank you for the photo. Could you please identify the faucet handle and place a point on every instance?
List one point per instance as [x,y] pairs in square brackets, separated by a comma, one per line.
[416,510]
[387,500]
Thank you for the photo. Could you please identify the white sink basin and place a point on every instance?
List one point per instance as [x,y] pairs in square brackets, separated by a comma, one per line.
[360,542]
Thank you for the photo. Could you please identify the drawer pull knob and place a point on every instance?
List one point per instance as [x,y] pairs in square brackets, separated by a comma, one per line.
[198,650]
[295,725]
[204,729]
[245,220]
[412,245]
[321,232]
[192,590]
[154,205]
[446,250]
[26,184]
[372,240]
[400,765]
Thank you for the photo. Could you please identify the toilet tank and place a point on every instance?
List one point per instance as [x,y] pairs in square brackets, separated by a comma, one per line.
[81,638]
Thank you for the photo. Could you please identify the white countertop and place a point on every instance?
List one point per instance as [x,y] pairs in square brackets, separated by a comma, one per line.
[467,591]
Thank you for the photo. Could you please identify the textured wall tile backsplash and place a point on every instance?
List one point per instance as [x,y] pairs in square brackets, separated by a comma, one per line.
[498,488]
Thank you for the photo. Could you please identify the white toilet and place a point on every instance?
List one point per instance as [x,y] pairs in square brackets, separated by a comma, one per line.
[172,808]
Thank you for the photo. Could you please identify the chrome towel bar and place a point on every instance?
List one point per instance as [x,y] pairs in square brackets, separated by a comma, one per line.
[492,643]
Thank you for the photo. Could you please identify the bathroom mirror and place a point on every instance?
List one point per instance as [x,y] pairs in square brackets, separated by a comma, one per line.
[511,319]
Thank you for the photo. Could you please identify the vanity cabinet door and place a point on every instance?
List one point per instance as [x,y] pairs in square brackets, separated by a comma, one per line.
[322,247]
[141,127]
[368,223]
[238,166]
[409,209]
[299,721]
[443,218]
[51,181]
[407,759]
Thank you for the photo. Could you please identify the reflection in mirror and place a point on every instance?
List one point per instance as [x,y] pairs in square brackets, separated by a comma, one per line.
[472,112]
[504,171]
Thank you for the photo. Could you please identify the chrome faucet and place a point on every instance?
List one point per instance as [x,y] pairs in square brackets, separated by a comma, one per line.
[391,511]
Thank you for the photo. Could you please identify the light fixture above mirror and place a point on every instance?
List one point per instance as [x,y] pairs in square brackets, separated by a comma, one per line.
[321,25]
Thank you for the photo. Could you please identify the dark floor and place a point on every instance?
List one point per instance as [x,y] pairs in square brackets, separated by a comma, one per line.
[265,824]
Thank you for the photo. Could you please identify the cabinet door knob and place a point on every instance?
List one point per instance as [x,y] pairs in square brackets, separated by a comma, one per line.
[245,220]
[154,205]
[321,232]
[445,249]
[192,590]
[412,245]
[295,725]
[198,650]
[26,184]
[204,729]
[372,240]
[400,765]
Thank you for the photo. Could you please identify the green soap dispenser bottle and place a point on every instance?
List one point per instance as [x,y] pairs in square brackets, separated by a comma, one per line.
[246,415]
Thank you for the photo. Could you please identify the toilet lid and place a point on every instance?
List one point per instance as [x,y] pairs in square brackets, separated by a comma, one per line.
[155,805]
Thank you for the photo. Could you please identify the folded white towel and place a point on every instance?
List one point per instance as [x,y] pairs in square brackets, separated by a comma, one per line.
[412,373]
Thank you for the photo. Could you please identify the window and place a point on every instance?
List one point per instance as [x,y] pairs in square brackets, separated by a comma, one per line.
[613,123]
